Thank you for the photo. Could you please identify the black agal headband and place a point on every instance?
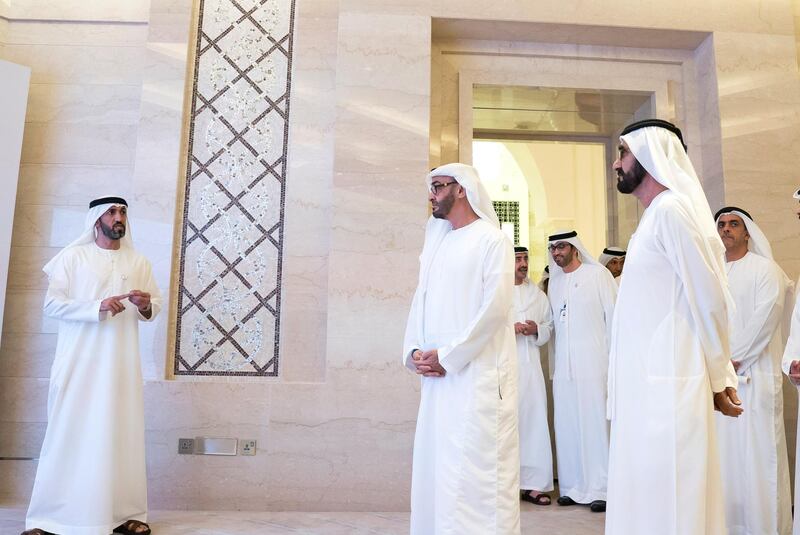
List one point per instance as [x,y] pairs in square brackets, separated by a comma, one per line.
[107,200]
[729,209]
[564,236]
[612,252]
[666,125]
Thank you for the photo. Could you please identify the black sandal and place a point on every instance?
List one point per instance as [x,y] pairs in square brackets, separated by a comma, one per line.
[36,531]
[540,499]
[130,528]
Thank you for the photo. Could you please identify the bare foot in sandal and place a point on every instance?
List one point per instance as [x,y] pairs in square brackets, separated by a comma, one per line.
[535,497]
[133,527]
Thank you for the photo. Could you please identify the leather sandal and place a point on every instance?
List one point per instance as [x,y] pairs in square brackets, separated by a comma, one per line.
[131,526]
[539,499]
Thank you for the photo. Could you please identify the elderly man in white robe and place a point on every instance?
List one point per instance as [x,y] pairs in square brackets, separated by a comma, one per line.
[753,457]
[460,339]
[670,356]
[791,367]
[533,325]
[582,294]
[91,475]
[613,258]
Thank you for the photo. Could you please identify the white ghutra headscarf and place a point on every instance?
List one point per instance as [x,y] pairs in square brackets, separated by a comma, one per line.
[659,149]
[571,237]
[609,253]
[759,244]
[436,229]
[97,208]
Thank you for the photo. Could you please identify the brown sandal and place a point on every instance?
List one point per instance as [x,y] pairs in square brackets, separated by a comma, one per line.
[131,526]
[36,531]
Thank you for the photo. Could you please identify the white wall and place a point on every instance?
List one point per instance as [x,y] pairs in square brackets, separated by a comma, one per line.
[13,102]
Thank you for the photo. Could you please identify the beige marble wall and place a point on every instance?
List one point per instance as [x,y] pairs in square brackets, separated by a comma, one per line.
[335,430]
[80,137]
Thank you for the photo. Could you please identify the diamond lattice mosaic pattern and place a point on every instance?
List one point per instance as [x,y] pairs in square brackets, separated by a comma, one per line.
[232,231]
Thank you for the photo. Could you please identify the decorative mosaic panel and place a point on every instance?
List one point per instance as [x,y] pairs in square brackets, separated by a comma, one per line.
[508,212]
[229,299]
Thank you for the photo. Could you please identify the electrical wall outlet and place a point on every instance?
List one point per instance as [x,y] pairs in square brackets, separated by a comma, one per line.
[186,446]
[247,447]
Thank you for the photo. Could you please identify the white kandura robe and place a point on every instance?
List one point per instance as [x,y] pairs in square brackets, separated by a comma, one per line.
[465,477]
[582,303]
[91,473]
[669,350]
[752,447]
[536,455]
[791,353]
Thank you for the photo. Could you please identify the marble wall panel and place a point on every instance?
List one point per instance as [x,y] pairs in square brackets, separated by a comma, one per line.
[80,64]
[57,184]
[308,192]
[21,439]
[23,399]
[707,110]
[79,144]
[4,27]
[16,481]
[27,355]
[85,10]
[718,15]
[84,104]
[43,225]
[25,313]
[206,409]
[178,7]
[26,269]
[64,33]
[759,103]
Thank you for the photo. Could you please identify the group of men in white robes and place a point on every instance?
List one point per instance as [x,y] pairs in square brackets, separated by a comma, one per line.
[579,308]
[697,326]
[91,478]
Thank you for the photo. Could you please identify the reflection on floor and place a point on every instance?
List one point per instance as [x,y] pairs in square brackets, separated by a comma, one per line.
[550,520]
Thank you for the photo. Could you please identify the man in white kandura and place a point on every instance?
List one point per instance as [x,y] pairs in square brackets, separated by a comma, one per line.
[670,358]
[753,457]
[582,294]
[533,325]
[460,339]
[791,367]
[91,475]
[613,258]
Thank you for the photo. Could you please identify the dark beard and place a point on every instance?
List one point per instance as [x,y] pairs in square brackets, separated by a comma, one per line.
[628,182]
[110,233]
[444,206]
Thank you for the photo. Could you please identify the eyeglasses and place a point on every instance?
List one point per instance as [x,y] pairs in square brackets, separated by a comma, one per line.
[560,246]
[437,186]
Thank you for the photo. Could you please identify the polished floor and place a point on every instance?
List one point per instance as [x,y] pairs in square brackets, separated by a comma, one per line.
[550,520]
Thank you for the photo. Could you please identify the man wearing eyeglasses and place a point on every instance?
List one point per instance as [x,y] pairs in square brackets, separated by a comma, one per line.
[582,295]
[460,340]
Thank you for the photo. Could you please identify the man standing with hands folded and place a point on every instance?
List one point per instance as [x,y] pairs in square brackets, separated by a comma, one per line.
[460,339]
